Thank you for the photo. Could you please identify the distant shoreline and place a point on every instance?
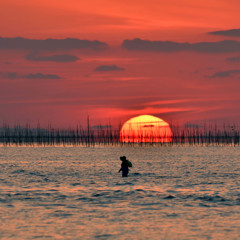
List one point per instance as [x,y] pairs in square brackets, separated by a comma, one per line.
[91,136]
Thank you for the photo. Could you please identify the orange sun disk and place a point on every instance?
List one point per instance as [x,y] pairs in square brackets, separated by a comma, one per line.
[145,128]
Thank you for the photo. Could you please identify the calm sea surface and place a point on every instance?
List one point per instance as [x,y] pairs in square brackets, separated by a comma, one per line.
[77,193]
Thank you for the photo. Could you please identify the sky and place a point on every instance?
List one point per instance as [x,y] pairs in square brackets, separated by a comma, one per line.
[64,60]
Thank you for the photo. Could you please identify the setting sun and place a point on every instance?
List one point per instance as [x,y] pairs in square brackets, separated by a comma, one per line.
[145,128]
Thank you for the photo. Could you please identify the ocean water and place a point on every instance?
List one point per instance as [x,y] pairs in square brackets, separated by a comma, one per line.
[172,192]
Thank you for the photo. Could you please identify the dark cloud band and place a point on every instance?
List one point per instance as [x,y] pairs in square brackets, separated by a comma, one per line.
[50,44]
[104,68]
[229,33]
[233,59]
[225,74]
[14,75]
[168,46]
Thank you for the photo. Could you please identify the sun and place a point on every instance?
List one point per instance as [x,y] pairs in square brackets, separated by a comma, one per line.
[145,128]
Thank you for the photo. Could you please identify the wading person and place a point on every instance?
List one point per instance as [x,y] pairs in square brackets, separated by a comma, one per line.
[124,166]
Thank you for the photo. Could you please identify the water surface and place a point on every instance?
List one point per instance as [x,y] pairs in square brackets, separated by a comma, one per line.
[172,192]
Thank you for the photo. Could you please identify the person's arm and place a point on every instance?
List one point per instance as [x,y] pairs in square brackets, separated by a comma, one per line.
[120,170]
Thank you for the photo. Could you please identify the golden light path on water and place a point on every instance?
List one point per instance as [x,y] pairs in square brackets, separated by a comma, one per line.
[146,128]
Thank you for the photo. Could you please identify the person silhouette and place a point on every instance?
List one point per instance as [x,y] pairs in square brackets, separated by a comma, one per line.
[124,166]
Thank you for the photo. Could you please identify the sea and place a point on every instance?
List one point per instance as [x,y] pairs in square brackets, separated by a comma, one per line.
[172,192]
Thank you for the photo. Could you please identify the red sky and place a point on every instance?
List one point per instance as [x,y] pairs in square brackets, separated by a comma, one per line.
[176,82]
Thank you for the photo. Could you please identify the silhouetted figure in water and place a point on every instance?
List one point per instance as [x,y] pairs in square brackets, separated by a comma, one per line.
[124,166]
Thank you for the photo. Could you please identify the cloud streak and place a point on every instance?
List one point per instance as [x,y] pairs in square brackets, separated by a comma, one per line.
[50,44]
[225,74]
[52,58]
[14,75]
[169,46]
[229,33]
[105,68]
[233,59]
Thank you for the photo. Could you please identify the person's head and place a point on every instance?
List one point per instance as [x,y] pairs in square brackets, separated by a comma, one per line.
[123,158]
